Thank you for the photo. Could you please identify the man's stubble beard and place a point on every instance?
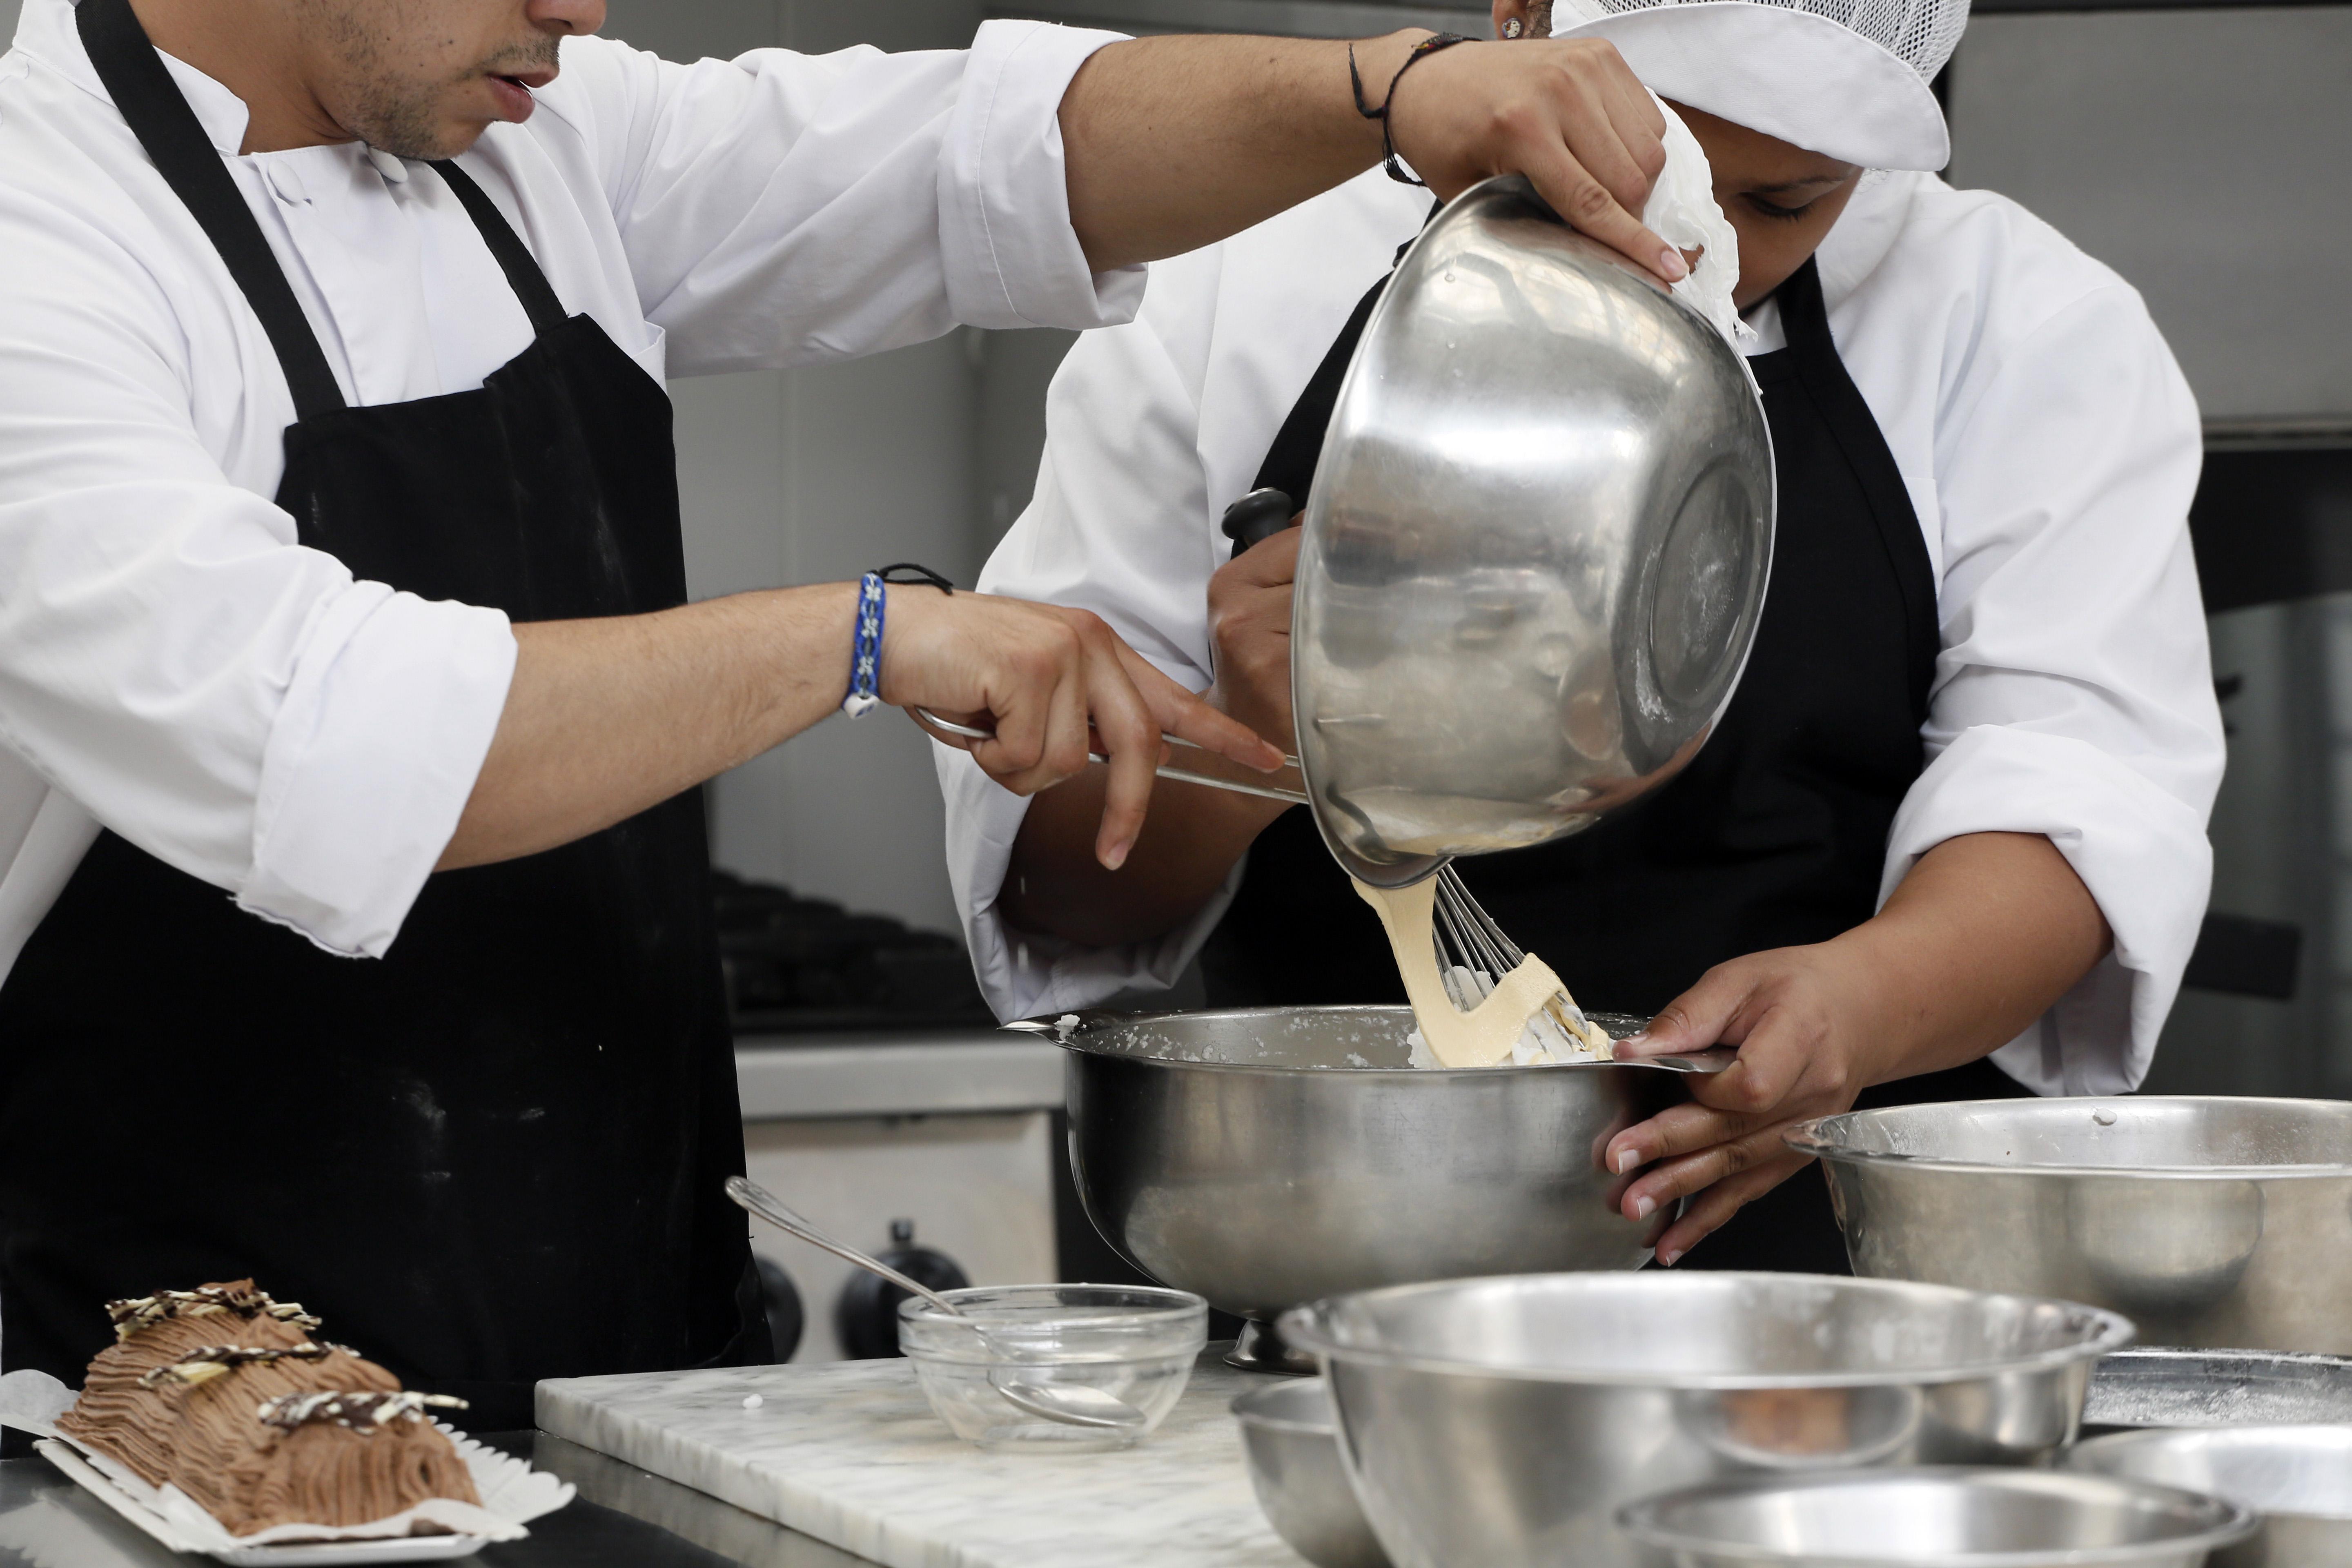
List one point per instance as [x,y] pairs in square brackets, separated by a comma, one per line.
[391,111]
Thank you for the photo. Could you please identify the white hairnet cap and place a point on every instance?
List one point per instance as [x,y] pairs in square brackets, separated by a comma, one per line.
[1846,78]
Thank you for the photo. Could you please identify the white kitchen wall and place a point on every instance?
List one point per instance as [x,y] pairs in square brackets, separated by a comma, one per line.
[2204,154]
[817,474]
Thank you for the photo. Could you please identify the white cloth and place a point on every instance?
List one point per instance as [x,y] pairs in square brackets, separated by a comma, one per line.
[172,665]
[1682,212]
[2046,438]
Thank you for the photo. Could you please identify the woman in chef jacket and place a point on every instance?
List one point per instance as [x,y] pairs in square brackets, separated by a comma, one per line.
[1947,842]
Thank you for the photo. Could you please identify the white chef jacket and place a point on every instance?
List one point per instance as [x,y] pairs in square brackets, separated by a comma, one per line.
[172,665]
[2050,447]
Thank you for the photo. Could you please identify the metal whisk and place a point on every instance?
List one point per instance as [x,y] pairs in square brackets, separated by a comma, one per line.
[1473,952]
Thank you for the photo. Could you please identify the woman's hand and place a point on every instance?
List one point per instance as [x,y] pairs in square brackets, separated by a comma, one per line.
[1811,1026]
[1983,936]
[1249,628]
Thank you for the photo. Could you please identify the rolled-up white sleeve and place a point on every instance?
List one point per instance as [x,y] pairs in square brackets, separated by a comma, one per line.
[1119,526]
[174,662]
[781,209]
[2074,695]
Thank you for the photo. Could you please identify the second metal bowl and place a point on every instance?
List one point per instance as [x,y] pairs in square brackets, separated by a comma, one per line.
[1501,1423]
[2299,1478]
[2211,1221]
[1934,1518]
[1293,1454]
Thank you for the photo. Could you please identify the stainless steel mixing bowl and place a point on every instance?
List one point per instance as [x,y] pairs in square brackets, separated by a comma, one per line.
[2299,1478]
[1501,1423]
[1536,547]
[1293,1455]
[1262,1157]
[2211,1221]
[1934,1518]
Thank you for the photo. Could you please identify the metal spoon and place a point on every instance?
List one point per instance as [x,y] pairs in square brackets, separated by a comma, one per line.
[925,718]
[1073,1404]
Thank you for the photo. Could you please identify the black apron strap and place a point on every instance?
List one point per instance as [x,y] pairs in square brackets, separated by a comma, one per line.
[149,99]
[1805,322]
[1291,462]
[523,274]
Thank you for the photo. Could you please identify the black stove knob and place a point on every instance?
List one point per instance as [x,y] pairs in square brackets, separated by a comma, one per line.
[782,1300]
[865,1319]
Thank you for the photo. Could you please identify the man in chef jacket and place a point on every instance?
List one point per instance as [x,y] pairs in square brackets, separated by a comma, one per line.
[354,914]
[1947,842]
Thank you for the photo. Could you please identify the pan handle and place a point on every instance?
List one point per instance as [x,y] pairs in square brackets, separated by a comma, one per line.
[1806,1138]
[930,720]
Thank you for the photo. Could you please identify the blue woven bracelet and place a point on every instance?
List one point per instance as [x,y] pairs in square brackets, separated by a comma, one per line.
[865,651]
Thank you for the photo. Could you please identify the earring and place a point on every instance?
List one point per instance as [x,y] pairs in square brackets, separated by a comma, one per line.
[1513,28]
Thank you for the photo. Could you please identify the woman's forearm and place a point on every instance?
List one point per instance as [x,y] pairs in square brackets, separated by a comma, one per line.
[1054,885]
[1987,932]
[1983,936]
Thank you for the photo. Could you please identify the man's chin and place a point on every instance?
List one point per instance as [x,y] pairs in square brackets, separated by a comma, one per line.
[453,135]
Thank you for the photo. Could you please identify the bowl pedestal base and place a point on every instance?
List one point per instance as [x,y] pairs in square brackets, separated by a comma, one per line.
[1261,1348]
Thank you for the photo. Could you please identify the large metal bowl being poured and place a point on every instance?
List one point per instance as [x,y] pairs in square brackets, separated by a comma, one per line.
[1536,547]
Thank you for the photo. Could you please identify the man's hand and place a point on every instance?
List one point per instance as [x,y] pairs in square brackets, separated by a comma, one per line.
[1053,683]
[1569,114]
[1054,885]
[1173,144]
[1983,936]
[606,717]
[1249,627]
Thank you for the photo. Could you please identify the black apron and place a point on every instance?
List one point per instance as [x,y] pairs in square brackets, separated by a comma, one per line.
[496,1154]
[1773,836]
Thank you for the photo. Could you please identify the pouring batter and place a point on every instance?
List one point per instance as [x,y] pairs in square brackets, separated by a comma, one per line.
[1949,840]
[1472,1020]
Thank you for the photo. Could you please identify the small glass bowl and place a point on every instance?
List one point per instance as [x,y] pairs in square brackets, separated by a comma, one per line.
[1135,1344]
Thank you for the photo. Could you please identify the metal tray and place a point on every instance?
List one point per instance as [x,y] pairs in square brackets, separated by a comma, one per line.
[2156,1386]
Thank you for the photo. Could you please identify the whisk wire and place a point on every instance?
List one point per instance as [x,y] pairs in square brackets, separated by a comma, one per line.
[1473,952]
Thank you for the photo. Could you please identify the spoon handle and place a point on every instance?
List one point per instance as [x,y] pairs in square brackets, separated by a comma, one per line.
[758,1200]
[925,718]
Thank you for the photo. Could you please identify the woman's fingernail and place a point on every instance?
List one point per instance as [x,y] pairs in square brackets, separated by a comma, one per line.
[1671,264]
[1668,1259]
[1627,1159]
[1116,858]
[1645,1206]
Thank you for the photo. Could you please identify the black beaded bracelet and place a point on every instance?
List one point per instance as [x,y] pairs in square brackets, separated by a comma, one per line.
[1421,51]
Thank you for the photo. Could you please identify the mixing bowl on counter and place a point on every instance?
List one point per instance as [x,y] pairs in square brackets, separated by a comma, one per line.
[1943,1518]
[2298,1479]
[1500,1423]
[1292,1454]
[2211,1221]
[1262,1157]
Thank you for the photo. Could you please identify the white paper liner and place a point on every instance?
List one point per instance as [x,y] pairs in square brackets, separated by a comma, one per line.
[511,1491]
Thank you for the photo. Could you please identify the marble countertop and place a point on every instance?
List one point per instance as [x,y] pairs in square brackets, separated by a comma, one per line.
[852,1455]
